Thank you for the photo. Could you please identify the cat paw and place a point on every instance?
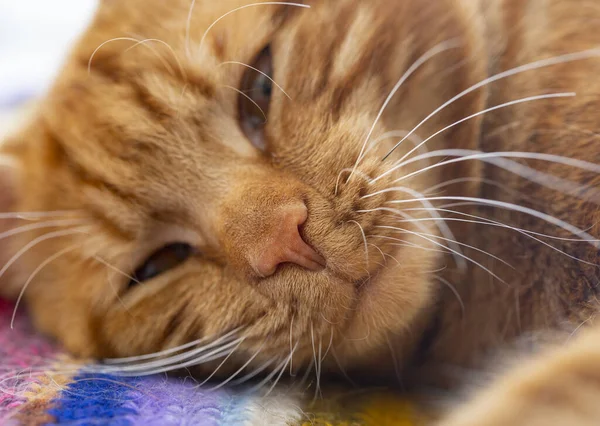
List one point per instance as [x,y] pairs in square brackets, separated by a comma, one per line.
[560,387]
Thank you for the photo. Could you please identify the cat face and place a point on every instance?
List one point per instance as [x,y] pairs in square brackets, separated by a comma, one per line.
[221,169]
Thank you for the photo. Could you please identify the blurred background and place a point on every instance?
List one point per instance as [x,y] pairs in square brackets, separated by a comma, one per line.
[34,37]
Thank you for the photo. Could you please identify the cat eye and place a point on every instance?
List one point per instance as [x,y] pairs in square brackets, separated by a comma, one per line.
[161,261]
[257,87]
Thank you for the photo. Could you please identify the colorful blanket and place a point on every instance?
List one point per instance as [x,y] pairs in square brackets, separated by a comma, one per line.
[40,385]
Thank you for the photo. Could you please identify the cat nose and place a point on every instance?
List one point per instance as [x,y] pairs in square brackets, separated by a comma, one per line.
[285,244]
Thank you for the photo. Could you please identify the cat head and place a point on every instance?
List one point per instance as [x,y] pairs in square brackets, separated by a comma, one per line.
[221,168]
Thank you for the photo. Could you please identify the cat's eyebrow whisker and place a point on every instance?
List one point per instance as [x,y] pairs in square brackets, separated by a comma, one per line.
[137,43]
[556,60]
[41,266]
[249,98]
[267,3]
[480,113]
[168,46]
[439,48]
[260,72]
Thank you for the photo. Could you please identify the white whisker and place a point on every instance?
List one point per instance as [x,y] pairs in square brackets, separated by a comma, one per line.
[458,243]
[440,48]
[242,368]
[514,207]
[571,57]
[249,98]
[35,273]
[260,72]
[362,231]
[454,291]
[244,7]
[485,111]
[39,240]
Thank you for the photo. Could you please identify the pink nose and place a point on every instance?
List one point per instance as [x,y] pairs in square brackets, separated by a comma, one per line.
[285,245]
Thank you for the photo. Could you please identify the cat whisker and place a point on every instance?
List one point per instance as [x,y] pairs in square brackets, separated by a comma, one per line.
[249,98]
[364,176]
[137,43]
[39,240]
[404,243]
[401,230]
[342,369]
[254,373]
[221,364]
[414,138]
[395,361]
[219,352]
[238,9]
[242,368]
[114,268]
[319,366]
[442,226]
[417,234]
[486,221]
[41,266]
[381,252]
[543,63]
[515,207]
[292,341]
[526,233]
[490,182]
[260,72]
[499,159]
[454,291]
[47,224]
[37,215]
[156,361]
[287,361]
[166,64]
[480,113]
[439,48]
[278,369]
[362,231]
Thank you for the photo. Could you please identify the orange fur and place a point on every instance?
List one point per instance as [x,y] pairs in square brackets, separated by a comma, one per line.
[141,141]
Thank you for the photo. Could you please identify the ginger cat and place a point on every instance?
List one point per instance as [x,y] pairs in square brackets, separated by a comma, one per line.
[326,186]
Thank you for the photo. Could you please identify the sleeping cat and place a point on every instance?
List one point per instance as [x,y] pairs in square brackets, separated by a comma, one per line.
[328,186]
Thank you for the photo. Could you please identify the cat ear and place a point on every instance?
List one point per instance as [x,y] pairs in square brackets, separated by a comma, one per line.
[9,171]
